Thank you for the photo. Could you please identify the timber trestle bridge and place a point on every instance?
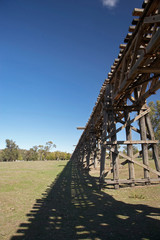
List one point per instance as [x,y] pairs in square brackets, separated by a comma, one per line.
[134,76]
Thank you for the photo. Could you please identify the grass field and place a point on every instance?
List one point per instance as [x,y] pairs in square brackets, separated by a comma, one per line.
[21,183]
[57,200]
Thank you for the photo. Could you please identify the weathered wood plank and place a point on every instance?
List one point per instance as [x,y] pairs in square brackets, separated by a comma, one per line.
[149,70]
[114,155]
[152,19]
[129,181]
[80,128]
[129,147]
[137,12]
[131,142]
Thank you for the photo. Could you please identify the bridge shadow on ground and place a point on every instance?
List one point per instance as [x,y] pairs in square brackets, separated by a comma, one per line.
[73,207]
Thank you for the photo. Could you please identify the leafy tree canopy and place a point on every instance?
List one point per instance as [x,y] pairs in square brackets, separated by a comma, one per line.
[10,153]
[155,117]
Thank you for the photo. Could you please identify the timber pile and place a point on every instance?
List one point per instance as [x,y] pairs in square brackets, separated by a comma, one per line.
[134,76]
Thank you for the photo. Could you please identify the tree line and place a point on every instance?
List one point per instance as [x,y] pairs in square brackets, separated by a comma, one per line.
[12,152]
[41,152]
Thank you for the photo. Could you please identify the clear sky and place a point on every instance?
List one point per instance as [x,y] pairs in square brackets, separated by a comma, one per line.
[54,57]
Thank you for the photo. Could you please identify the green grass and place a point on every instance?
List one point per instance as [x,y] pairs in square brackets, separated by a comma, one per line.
[39,205]
[21,183]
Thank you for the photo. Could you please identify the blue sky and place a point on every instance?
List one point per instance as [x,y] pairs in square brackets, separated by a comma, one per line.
[54,57]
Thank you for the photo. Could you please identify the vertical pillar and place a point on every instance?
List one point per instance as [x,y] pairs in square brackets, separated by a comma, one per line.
[95,155]
[98,151]
[85,159]
[103,148]
[110,153]
[82,158]
[144,145]
[95,159]
[106,103]
[94,152]
[129,148]
[143,134]
[88,158]
[115,157]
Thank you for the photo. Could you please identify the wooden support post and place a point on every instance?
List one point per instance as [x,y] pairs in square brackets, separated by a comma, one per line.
[129,148]
[110,161]
[103,148]
[104,131]
[143,134]
[144,146]
[115,157]
[98,151]
[95,153]
[88,158]
[83,155]
[95,159]
[83,158]
[154,146]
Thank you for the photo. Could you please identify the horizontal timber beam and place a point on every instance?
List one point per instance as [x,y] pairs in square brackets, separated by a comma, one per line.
[131,142]
[125,181]
[134,161]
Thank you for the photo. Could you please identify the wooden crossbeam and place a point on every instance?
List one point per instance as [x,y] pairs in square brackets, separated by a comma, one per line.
[122,46]
[152,19]
[128,123]
[132,28]
[130,108]
[137,12]
[149,70]
[130,142]
[129,181]
[133,160]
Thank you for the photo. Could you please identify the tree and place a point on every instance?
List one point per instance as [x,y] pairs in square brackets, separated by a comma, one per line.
[10,153]
[41,151]
[47,148]
[44,150]
[32,154]
[58,156]
[155,119]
